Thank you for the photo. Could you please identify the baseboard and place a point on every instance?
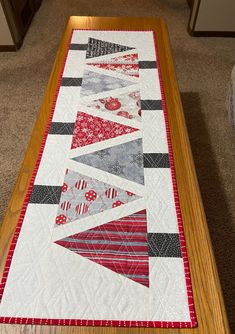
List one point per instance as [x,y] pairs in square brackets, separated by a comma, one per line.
[11,48]
[194,33]
[7,48]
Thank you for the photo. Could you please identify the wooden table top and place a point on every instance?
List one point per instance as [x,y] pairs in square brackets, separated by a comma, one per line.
[210,310]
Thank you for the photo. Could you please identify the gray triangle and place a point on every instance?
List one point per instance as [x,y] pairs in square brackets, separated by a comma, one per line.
[75,196]
[94,83]
[124,160]
[97,48]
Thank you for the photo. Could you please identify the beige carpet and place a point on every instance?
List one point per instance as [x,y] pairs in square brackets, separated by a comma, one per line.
[203,67]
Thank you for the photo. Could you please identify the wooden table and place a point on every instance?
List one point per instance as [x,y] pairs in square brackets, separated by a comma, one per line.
[208,298]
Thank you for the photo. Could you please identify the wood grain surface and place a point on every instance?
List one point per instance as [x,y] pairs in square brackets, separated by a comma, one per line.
[210,310]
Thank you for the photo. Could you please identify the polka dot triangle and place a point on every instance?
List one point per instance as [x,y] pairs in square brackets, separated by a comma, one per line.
[83,196]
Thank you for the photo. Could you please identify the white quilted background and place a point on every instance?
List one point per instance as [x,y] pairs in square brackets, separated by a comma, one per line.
[52,282]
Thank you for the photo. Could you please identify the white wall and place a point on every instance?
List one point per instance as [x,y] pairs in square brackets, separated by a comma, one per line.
[216,15]
[5,34]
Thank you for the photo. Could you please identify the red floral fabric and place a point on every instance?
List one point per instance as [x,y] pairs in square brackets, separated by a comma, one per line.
[90,129]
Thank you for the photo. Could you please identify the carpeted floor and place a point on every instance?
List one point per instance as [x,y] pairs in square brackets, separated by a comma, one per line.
[203,67]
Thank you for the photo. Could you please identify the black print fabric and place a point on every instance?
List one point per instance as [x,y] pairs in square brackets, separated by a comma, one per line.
[59,128]
[97,48]
[71,81]
[156,160]
[78,47]
[45,194]
[164,245]
[151,104]
[147,64]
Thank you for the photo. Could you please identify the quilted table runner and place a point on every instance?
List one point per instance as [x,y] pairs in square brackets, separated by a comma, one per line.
[100,237]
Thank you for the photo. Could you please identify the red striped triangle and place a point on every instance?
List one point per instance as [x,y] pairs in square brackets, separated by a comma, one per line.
[119,245]
[90,129]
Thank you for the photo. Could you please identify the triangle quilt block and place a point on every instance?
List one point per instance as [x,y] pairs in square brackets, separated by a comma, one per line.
[94,83]
[125,105]
[120,246]
[124,160]
[90,129]
[97,48]
[83,196]
[127,65]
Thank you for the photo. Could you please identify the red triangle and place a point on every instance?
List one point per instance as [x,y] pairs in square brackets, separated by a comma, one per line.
[127,69]
[90,129]
[127,64]
[131,58]
[119,245]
